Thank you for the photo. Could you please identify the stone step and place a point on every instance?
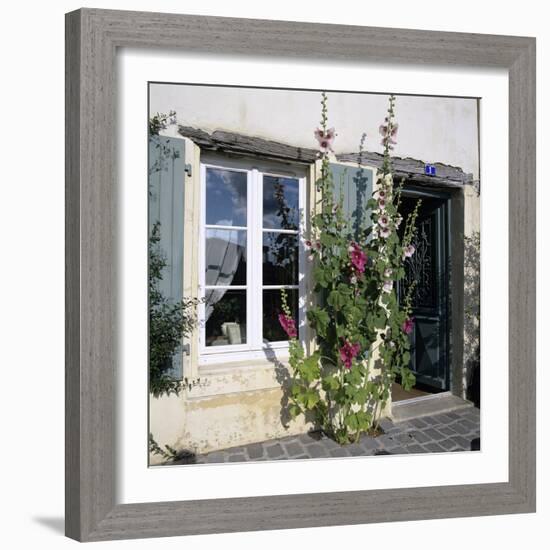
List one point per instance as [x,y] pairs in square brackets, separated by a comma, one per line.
[427,405]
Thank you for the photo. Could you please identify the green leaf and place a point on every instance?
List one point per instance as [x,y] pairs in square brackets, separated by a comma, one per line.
[330,383]
[320,319]
[351,422]
[335,300]
[309,368]
[294,411]
[328,240]
[311,399]
[320,277]
[408,380]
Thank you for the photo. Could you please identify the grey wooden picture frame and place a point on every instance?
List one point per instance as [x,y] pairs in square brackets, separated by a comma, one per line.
[92,39]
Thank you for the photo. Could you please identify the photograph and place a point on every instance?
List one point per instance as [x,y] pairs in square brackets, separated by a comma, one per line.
[313,274]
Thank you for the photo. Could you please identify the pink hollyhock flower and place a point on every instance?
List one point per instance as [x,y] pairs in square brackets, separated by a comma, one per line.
[408,251]
[308,244]
[383,220]
[408,325]
[381,204]
[325,139]
[381,194]
[385,232]
[398,220]
[388,135]
[288,325]
[387,287]
[358,258]
[348,352]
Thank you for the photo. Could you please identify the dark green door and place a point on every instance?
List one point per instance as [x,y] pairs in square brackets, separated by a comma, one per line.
[429,269]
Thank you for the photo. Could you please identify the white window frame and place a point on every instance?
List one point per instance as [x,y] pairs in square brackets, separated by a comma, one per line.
[255,348]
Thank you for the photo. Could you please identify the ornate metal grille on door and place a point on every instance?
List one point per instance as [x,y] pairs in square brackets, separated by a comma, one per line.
[419,268]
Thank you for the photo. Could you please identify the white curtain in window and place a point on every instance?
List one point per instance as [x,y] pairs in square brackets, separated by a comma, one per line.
[223,252]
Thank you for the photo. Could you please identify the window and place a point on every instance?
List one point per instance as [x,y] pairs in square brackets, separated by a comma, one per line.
[250,249]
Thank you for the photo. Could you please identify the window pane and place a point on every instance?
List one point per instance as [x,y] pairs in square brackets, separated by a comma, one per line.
[225,317]
[272,330]
[280,259]
[225,197]
[281,203]
[225,257]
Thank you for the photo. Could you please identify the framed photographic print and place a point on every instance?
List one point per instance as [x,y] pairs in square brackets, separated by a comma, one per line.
[300,275]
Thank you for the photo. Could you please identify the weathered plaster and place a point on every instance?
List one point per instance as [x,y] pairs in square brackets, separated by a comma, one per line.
[225,410]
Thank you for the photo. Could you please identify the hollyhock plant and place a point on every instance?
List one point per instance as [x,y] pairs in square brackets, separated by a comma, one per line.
[408,325]
[348,352]
[354,306]
[288,324]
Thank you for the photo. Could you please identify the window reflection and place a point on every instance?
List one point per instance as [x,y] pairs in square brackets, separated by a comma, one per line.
[272,307]
[280,203]
[225,197]
[280,259]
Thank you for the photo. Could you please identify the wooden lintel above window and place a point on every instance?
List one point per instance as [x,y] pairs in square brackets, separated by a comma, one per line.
[240,144]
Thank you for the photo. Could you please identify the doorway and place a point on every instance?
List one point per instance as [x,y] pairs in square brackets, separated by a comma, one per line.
[427,279]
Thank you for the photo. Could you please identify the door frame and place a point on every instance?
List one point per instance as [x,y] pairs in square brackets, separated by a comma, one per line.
[453,199]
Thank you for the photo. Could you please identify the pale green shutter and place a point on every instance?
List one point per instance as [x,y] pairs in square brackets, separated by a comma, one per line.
[166,205]
[355,185]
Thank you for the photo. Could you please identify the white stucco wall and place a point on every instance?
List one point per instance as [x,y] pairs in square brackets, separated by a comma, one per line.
[432,129]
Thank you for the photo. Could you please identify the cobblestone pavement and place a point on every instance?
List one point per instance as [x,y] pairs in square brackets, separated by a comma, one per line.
[452,431]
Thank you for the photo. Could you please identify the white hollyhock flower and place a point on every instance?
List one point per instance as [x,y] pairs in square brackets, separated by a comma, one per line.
[383,220]
[408,251]
[388,285]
